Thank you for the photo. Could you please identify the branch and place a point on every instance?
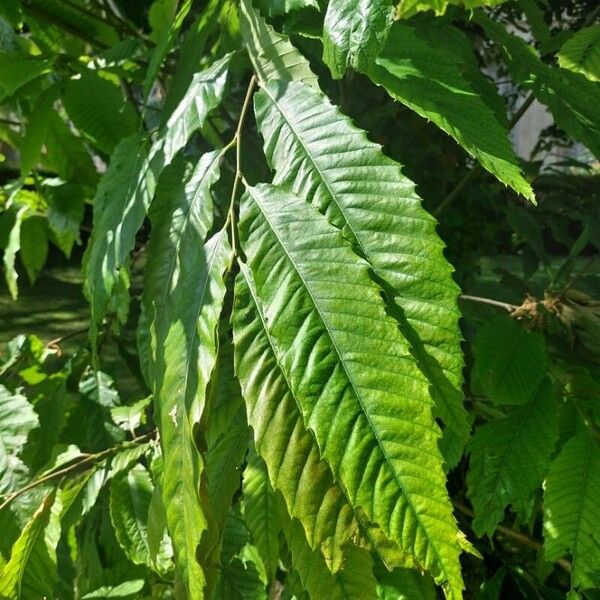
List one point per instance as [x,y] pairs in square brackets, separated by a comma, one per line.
[86,463]
[497,303]
[238,158]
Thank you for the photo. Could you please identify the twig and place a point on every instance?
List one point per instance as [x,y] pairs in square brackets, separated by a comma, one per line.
[87,462]
[54,342]
[592,16]
[460,186]
[522,538]
[497,303]
[238,159]
[581,273]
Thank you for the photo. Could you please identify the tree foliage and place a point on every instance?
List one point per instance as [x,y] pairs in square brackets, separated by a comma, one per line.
[273,394]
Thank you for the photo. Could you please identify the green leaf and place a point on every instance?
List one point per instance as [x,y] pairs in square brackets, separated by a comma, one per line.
[31,570]
[159,544]
[66,153]
[10,252]
[354,582]
[16,70]
[317,150]
[408,8]
[190,55]
[17,420]
[124,460]
[260,513]
[573,100]
[227,432]
[295,467]
[581,53]
[510,361]
[351,371]
[354,33]
[183,293]
[130,497]
[34,246]
[571,509]
[227,409]
[405,584]
[100,112]
[240,581]
[509,459]
[37,127]
[203,95]
[127,188]
[423,67]
[165,38]
[66,203]
[274,8]
[131,416]
[122,198]
[127,589]
[272,54]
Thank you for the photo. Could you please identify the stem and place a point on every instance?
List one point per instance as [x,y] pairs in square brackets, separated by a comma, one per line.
[522,538]
[238,160]
[521,111]
[497,303]
[460,186]
[67,336]
[87,462]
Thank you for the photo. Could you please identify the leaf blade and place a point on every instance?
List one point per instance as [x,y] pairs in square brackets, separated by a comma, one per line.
[279,232]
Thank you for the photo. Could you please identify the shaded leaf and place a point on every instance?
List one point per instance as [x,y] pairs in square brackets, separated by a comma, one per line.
[98,109]
[130,497]
[354,33]
[405,584]
[260,513]
[126,190]
[31,570]
[510,361]
[571,509]
[17,420]
[573,100]
[581,53]
[509,459]
[354,582]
